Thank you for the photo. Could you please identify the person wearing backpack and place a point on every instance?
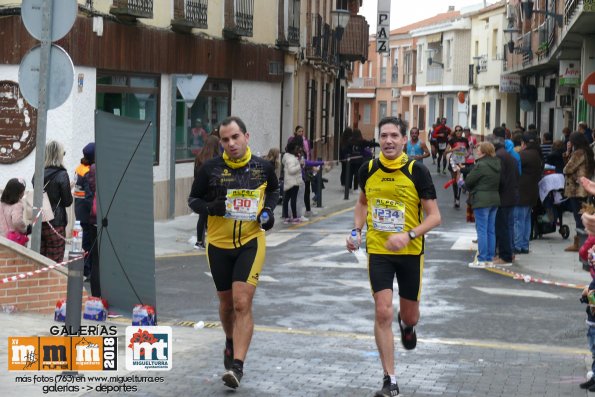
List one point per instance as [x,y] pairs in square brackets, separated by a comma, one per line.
[83,199]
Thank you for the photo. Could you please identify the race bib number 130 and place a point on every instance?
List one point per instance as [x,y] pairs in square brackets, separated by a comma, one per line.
[242,204]
[388,215]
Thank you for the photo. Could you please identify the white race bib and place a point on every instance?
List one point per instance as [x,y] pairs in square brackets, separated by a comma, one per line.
[242,204]
[442,145]
[388,215]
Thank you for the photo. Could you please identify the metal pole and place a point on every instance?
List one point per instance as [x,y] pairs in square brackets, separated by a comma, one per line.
[74,294]
[172,152]
[42,113]
[319,186]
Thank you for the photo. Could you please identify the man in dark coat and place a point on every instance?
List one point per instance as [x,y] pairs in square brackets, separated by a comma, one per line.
[509,194]
[532,167]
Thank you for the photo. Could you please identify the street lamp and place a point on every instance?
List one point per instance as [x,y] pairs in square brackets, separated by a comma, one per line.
[340,19]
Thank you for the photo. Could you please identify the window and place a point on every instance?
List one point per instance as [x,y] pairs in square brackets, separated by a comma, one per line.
[488,114]
[393,109]
[194,124]
[381,109]
[395,66]
[474,117]
[495,44]
[134,96]
[367,114]
[448,50]
[420,65]
[408,68]
[383,65]
[370,64]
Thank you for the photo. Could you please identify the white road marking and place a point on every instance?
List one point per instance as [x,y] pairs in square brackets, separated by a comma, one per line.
[360,261]
[276,239]
[331,240]
[465,243]
[261,278]
[516,292]
[355,283]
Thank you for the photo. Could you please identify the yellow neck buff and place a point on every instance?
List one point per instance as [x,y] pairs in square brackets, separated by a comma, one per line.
[238,163]
[396,163]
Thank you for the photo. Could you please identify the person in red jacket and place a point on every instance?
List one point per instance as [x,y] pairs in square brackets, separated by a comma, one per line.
[441,134]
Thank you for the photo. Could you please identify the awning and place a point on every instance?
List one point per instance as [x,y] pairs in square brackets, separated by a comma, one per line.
[434,38]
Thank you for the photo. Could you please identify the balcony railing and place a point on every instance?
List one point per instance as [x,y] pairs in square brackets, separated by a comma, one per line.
[189,14]
[132,8]
[354,42]
[239,18]
[434,75]
[363,82]
[314,32]
[293,35]
[569,9]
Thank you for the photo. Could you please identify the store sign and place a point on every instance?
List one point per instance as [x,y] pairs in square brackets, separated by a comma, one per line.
[510,83]
[570,73]
[383,30]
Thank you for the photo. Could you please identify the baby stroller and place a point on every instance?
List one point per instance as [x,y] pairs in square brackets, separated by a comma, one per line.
[547,216]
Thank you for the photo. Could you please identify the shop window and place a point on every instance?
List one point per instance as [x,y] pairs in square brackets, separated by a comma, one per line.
[134,96]
[194,123]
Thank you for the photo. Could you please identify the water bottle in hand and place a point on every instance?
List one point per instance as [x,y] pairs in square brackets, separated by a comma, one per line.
[353,239]
[264,218]
[77,238]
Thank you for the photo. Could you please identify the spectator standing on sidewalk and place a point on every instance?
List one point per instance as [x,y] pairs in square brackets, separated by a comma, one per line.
[532,168]
[588,219]
[292,178]
[580,164]
[483,183]
[209,150]
[95,265]
[395,239]
[12,223]
[83,199]
[57,185]
[239,193]
[509,195]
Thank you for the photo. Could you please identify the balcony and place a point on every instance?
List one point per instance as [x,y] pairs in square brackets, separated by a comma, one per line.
[434,75]
[239,19]
[569,9]
[314,34]
[132,9]
[363,82]
[190,14]
[354,42]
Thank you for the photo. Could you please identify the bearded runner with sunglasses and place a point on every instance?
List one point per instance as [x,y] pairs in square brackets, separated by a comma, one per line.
[395,193]
[235,190]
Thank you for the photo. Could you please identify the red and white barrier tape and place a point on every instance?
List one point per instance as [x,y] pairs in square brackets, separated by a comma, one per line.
[530,279]
[38,271]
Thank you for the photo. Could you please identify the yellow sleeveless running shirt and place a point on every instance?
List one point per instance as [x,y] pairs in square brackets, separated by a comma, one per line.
[393,206]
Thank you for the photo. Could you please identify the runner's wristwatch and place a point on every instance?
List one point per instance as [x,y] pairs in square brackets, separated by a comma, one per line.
[412,234]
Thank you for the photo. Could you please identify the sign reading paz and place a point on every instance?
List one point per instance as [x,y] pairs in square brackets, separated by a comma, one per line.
[383,30]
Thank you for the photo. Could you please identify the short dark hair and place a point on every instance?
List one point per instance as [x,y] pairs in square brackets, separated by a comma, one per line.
[547,136]
[499,132]
[13,191]
[235,119]
[394,121]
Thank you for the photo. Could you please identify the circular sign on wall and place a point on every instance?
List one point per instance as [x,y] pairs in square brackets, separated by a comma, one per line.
[588,89]
[461,96]
[18,124]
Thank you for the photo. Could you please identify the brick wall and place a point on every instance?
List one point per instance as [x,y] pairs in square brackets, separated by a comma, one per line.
[37,293]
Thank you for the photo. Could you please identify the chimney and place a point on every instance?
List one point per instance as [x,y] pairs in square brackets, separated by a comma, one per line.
[451,8]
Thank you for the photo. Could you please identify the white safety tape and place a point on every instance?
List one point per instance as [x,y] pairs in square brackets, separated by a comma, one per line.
[39,271]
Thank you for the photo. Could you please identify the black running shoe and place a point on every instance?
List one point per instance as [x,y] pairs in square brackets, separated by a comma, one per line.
[408,336]
[588,384]
[227,357]
[388,389]
[233,377]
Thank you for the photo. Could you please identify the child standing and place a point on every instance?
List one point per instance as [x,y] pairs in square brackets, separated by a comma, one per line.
[588,297]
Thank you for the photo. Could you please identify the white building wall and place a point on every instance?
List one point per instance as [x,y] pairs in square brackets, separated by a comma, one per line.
[259,105]
[72,124]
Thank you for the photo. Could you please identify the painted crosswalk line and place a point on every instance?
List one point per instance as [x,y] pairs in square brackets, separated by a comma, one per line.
[464,243]
[261,278]
[276,239]
[524,293]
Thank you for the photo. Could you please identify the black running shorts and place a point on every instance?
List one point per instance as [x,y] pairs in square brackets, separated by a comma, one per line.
[237,264]
[408,269]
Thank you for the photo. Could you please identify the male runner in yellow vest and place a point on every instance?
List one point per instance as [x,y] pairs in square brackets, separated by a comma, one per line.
[395,194]
[238,192]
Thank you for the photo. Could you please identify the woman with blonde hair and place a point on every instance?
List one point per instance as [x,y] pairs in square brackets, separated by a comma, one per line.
[57,186]
[209,151]
[483,183]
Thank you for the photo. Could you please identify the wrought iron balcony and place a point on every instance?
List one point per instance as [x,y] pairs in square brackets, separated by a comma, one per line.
[190,14]
[314,32]
[132,9]
[354,41]
[239,18]
[293,36]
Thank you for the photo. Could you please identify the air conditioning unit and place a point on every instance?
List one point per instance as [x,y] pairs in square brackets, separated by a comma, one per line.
[396,92]
[563,101]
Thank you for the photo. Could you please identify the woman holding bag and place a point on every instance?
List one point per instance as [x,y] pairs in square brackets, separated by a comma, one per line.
[12,225]
[57,187]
